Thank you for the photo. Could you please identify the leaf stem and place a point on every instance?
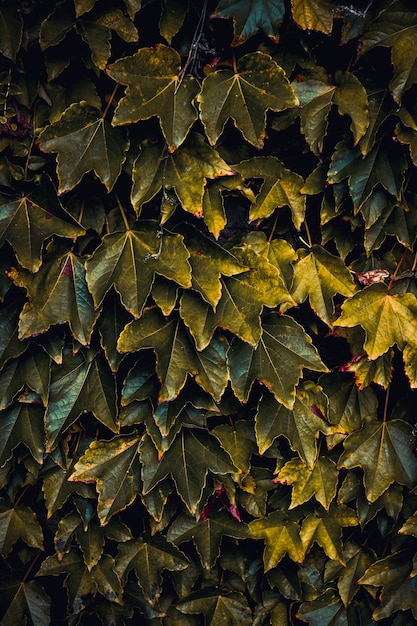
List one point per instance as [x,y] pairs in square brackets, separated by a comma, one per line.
[413,267]
[273,228]
[30,568]
[122,213]
[394,275]
[310,242]
[108,105]
[386,404]
[21,495]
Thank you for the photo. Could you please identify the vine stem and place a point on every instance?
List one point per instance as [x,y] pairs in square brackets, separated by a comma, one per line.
[108,105]
[310,242]
[30,568]
[394,275]
[413,267]
[122,213]
[273,229]
[21,495]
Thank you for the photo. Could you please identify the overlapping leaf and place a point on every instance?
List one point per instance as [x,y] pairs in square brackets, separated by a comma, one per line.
[326,530]
[319,481]
[281,537]
[249,17]
[218,608]
[18,522]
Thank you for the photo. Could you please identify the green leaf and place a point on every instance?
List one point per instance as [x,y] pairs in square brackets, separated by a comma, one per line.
[83,6]
[148,559]
[18,522]
[387,319]
[281,187]
[238,441]
[357,562]
[56,488]
[326,610]
[313,15]
[32,369]
[281,537]
[172,18]
[380,106]
[22,423]
[326,530]
[381,449]
[11,31]
[283,351]
[25,600]
[113,319]
[348,406]
[320,276]
[249,17]
[245,96]
[319,481]
[186,171]
[57,25]
[188,460]
[378,371]
[29,220]
[156,86]
[129,261]
[80,384]
[207,534]
[410,526]
[219,609]
[96,32]
[57,293]
[84,142]
[176,355]
[119,456]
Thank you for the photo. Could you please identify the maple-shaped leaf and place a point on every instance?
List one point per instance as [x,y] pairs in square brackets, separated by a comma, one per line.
[96,31]
[81,583]
[83,6]
[22,423]
[238,441]
[82,383]
[257,85]
[219,608]
[56,488]
[249,17]
[313,15]
[380,106]
[188,460]
[57,293]
[242,299]
[317,94]
[11,31]
[156,86]
[387,319]
[395,28]
[129,260]
[319,481]
[348,405]
[213,200]
[319,276]
[364,173]
[283,351]
[10,345]
[326,529]
[281,187]
[185,171]
[32,370]
[90,539]
[207,534]
[149,558]
[23,601]
[357,562]
[118,456]
[18,522]
[112,320]
[282,537]
[382,449]
[172,18]
[176,354]
[325,610]
[26,222]
[84,142]
[367,371]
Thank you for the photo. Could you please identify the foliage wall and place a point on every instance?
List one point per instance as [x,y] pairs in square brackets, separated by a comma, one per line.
[208,314]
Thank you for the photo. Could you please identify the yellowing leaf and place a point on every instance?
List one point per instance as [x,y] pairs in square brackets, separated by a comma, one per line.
[84,142]
[156,87]
[185,171]
[245,96]
[387,319]
[383,450]
[250,15]
[129,260]
[320,276]
[313,15]
[326,530]
[281,537]
[319,481]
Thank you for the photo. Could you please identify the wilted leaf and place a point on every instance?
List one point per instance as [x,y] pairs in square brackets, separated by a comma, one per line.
[245,96]
[319,481]
[383,451]
[248,17]
[281,537]
[84,142]
[18,522]
[156,86]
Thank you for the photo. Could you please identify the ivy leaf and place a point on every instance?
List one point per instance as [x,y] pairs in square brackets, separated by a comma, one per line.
[83,6]
[112,320]
[186,171]
[387,319]
[207,534]
[156,86]
[27,600]
[29,220]
[176,355]
[380,106]
[10,346]
[119,455]
[57,293]
[326,530]
[219,609]
[96,32]
[245,96]
[172,18]
[281,537]
[129,261]
[32,369]
[283,351]
[238,441]
[149,558]
[249,17]
[381,449]
[11,31]
[18,522]
[22,423]
[348,405]
[56,488]
[313,15]
[320,275]
[319,481]
[82,383]
[57,25]
[84,142]
[367,371]
[326,610]
[281,187]
[357,562]
[188,460]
